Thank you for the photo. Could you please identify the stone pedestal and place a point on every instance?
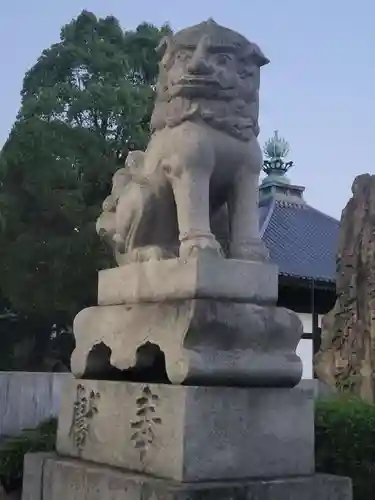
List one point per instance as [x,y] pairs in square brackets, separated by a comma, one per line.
[49,477]
[189,433]
[226,421]
[213,320]
[204,276]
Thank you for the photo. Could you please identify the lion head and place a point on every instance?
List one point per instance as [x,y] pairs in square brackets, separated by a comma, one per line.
[210,72]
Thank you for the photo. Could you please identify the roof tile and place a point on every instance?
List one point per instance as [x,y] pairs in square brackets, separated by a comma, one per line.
[302,241]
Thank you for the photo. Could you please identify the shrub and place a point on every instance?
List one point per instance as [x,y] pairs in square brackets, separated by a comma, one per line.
[345,441]
[14,448]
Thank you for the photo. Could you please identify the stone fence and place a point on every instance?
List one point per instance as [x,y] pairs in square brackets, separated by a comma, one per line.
[26,399]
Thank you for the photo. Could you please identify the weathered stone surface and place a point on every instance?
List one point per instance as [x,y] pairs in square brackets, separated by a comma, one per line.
[66,479]
[194,342]
[203,321]
[189,433]
[346,359]
[33,474]
[203,154]
[201,277]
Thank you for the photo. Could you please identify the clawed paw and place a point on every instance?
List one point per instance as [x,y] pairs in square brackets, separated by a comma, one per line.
[191,247]
[119,243]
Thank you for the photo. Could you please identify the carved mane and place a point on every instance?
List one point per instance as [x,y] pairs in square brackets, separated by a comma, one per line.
[237,113]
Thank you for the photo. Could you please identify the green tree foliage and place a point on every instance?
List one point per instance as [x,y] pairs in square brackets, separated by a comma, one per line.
[85,104]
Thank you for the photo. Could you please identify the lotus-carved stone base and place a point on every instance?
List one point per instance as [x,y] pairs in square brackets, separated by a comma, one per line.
[170,335]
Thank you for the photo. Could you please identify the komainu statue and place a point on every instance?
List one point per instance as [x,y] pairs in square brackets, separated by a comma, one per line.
[174,309]
[203,154]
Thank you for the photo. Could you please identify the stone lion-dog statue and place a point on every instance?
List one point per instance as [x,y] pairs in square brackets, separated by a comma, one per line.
[203,154]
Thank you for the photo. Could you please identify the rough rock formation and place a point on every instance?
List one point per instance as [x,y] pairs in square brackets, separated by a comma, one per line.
[347,356]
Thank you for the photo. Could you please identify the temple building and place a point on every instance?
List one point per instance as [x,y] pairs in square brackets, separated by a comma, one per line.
[302,241]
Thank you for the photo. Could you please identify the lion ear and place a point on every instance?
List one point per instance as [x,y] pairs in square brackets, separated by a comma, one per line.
[255,54]
[260,58]
[163,46]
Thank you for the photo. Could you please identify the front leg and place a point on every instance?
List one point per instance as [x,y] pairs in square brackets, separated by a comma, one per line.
[191,191]
[245,240]
[186,156]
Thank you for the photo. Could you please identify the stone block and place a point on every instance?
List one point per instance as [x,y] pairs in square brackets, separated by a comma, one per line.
[33,474]
[203,342]
[66,479]
[189,433]
[205,276]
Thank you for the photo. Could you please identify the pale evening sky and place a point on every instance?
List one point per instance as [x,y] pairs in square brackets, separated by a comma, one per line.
[318,89]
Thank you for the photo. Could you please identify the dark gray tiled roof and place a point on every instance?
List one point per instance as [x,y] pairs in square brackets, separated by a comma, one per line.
[302,241]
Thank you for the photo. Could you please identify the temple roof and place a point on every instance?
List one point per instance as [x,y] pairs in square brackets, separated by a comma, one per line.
[302,240]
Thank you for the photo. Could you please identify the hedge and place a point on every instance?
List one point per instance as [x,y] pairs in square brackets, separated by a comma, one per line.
[345,442]
[14,448]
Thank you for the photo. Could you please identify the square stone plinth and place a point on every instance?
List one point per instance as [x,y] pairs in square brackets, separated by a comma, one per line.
[189,433]
[201,277]
[67,479]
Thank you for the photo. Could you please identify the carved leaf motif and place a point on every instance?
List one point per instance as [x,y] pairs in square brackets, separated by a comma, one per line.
[144,434]
[136,425]
[141,412]
[84,409]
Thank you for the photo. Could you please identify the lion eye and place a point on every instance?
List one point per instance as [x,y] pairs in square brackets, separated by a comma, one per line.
[246,73]
[223,58]
[183,55]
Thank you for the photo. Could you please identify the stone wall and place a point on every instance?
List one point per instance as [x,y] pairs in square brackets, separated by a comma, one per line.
[26,399]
